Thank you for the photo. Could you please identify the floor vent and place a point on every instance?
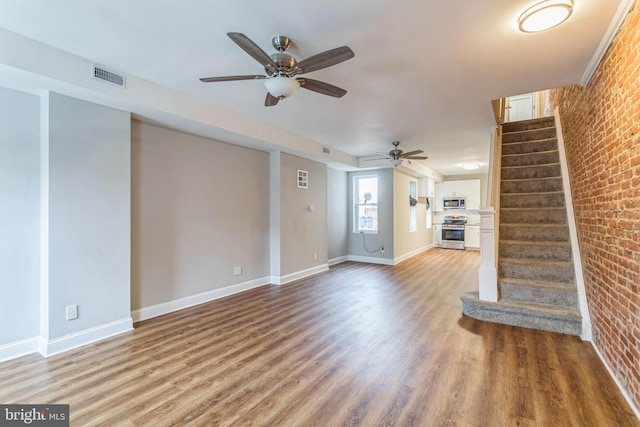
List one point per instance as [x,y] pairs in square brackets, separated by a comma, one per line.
[100,73]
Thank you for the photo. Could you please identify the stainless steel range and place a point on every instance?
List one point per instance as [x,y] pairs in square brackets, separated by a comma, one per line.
[453,232]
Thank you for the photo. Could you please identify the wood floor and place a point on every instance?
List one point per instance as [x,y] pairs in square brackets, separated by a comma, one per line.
[359,345]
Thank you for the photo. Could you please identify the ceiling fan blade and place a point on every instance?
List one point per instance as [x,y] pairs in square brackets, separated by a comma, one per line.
[415,158]
[270,100]
[252,49]
[322,87]
[231,78]
[412,153]
[324,60]
[377,158]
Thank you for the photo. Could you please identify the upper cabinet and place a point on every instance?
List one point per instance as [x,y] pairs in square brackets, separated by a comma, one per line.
[469,189]
[426,187]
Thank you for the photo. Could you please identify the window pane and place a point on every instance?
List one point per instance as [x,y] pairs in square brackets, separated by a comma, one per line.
[367,218]
[368,190]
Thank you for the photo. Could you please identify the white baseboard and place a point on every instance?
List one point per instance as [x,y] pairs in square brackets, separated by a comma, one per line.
[82,338]
[20,348]
[338,260]
[281,280]
[624,392]
[370,260]
[408,255]
[185,302]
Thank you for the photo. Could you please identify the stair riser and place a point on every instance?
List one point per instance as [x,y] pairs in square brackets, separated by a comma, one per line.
[537,234]
[530,172]
[563,297]
[530,147]
[528,251]
[533,216]
[531,185]
[530,159]
[532,200]
[545,122]
[545,273]
[529,135]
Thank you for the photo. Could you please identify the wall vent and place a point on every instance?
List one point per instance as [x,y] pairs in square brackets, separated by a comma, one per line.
[101,73]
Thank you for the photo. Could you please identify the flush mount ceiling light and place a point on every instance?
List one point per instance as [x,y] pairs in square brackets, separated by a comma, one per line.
[469,166]
[544,15]
[281,87]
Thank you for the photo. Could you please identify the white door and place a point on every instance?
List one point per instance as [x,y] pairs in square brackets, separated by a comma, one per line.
[520,107]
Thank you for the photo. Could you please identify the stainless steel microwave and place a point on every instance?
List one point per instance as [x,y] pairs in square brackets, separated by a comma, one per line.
[453,203]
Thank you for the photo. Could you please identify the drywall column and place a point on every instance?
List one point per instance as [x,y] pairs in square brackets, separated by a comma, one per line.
[86,208]
[19,222]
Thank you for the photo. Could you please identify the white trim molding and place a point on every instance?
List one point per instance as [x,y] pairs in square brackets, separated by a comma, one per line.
[612,374]
[370,260]
[338,260]
[411,254]
[20,348]
[82,338]
[281,280]
[607,39]
[573,233]
[191,300]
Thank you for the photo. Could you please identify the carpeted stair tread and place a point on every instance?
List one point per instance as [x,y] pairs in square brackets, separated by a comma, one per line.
[539,215]
[531,185]
[532,200]
[531,171]
[536,291]
[529,124]
[529,135]
[546,270]
[530,159]
[546,317]
[534,146]
[538,283]
[534,232]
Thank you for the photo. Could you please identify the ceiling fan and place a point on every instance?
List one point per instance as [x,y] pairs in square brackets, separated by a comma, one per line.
[281,69]
[396,156]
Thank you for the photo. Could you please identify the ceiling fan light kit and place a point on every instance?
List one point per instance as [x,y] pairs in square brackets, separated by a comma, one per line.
[281,69]
[545,15]
[281,87]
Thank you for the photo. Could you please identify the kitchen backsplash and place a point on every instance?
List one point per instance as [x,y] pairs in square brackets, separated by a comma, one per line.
[473,217]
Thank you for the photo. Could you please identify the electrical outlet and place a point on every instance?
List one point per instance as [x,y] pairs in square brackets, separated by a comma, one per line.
[72,312]
[315,256]
[382,249]
[237,270]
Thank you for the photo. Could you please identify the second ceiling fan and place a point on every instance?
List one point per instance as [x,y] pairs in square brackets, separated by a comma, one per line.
[281,69]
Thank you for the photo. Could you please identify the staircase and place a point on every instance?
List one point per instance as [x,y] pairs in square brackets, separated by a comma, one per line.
[536,280]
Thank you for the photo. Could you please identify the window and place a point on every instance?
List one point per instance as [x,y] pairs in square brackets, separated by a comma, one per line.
[365,190]
[413,201]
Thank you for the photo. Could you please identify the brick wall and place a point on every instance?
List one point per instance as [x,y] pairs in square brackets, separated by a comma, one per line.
[601,128]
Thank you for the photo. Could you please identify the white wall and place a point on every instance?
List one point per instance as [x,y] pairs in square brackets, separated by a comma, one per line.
[408,243]
[384,236]
[337,213]
[302,232]
[89,215]
[19,215]
[199,208]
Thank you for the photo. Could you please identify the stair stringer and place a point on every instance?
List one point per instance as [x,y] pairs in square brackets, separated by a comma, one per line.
[583,305]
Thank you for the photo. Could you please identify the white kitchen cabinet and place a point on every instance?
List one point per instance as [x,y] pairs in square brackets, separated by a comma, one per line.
[472,237]
[469,189]
[426,187]
[437,234]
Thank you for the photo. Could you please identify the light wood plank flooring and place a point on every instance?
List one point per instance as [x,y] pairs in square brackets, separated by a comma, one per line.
[359,345]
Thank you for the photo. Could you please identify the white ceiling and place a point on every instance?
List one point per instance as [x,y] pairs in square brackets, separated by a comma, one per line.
[424,71]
